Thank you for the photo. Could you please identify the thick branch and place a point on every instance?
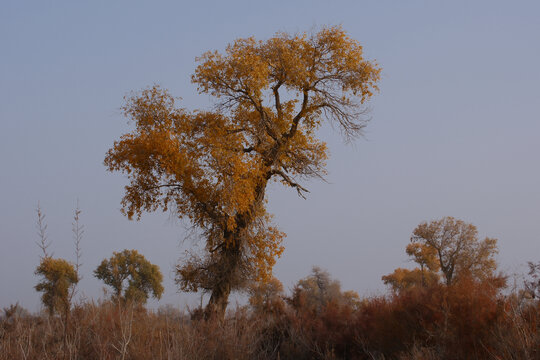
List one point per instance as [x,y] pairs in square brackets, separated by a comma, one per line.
[161,186]
[217,247]
[277,100]
[298,117]
[235,131]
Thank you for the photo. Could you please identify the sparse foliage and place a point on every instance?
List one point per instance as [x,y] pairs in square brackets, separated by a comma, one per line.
[213,167]
[264,295]
[319,289]
[532,284]
[14,312]
[132,277]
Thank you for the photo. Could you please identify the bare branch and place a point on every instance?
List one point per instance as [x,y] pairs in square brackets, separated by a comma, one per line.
[299,188]
[236,131]
[78,231]
[161,186]
[43,242]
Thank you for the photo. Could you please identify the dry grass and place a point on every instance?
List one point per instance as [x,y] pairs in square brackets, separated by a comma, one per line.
[106,330]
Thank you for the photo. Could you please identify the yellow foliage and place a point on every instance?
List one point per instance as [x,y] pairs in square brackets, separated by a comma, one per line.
[458,250]
[402,279]
[424,255]
[449,248]
[58,278]
[262,295]
[213,167]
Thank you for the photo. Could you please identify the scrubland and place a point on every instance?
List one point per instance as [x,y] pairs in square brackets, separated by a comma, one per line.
[467,320]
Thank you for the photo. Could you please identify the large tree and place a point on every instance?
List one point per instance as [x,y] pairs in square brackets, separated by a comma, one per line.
[213,167]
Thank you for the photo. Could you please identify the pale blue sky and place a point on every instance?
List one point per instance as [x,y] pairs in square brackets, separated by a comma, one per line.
[454,131]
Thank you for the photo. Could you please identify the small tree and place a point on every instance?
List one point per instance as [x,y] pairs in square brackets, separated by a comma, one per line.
[264,295]
[131,276]
[318,289]
[59,277]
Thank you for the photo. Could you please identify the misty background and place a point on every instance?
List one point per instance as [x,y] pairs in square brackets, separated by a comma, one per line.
[454,131]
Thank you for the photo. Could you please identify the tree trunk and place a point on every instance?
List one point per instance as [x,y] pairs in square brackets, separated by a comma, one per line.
[219,299]
[231,257]
[218,302]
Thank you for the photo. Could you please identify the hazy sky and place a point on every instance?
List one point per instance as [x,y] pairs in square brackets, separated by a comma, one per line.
[454,130]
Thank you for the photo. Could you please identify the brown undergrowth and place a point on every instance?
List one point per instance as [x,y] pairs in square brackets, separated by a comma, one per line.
[467,321]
